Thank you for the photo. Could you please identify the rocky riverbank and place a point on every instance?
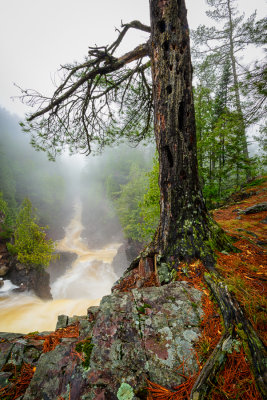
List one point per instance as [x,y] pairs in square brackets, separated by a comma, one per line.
[111,352]
[24,277]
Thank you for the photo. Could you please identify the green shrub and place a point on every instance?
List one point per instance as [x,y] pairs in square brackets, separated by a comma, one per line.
[30,243]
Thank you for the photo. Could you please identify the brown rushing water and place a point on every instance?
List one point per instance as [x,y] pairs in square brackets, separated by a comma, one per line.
[83,285]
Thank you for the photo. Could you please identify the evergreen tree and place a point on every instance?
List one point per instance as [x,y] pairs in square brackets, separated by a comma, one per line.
[30,243]
[218,45]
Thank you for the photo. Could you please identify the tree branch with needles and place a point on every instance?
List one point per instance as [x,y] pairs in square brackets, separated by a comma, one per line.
[91,102]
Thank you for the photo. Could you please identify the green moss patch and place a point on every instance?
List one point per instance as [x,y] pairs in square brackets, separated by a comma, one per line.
[86,348]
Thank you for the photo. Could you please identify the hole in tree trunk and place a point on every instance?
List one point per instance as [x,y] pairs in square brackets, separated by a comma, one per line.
[169,155]
[169,89]
[166,45]
[161,26]
[171,67]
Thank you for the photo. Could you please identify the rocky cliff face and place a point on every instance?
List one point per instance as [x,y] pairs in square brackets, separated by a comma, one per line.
[36,279]
[131,337]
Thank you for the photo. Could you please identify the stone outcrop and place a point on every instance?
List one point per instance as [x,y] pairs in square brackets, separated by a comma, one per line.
[254,209]
[26,278]
[36,279]
[131,337]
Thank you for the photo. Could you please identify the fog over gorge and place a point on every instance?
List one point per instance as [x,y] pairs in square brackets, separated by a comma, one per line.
[71,200]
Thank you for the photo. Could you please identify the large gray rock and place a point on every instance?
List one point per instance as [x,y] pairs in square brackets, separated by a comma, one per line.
[255,209]
[36,279]
[130,337]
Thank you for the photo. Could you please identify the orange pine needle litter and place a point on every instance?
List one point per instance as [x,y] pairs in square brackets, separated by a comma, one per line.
[130,282]
[19,383]
[246,274]
[236,380]
[52,340]
[182,391]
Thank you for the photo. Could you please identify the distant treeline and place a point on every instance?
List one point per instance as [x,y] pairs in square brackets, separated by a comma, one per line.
[25,173]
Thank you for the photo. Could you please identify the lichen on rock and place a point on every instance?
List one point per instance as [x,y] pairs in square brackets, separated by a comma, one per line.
[125,392]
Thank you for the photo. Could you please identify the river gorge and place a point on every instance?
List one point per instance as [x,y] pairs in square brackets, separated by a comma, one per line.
[84,283]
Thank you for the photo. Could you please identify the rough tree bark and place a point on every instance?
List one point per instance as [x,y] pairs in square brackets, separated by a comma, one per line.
[186,231]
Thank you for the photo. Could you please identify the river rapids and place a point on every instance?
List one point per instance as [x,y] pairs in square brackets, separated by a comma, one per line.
[88,279]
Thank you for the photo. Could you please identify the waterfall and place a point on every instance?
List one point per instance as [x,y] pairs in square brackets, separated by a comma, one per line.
[88,279]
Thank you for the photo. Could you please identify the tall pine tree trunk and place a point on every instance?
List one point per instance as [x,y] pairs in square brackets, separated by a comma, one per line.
[186,230]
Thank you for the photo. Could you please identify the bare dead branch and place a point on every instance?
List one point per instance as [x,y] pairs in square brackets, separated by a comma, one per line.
[110,66]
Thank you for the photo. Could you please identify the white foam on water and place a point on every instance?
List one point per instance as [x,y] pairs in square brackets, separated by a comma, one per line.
[83,285]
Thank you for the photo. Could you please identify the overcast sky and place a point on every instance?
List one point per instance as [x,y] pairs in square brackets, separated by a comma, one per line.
[36,36]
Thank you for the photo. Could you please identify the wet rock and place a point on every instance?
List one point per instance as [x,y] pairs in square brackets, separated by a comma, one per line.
[62,321]
[20,267]
[22,288]
[5,350]
[1,283]
[34,278]
[146,333]
[15,350]
[255,209]
[3,270]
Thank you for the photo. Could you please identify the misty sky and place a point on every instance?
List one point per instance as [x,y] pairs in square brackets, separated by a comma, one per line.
[36,36]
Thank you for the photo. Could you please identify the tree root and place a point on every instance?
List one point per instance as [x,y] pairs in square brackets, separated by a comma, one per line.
[234,322]
[210,370]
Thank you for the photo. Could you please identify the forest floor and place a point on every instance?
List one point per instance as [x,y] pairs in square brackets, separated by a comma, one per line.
[245,274]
